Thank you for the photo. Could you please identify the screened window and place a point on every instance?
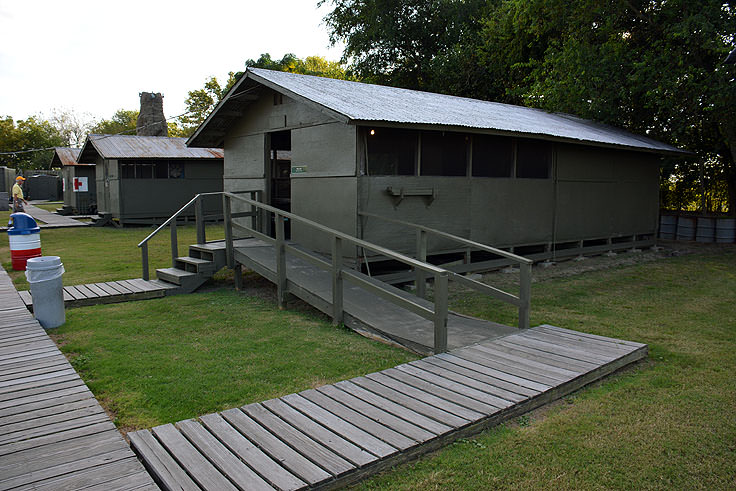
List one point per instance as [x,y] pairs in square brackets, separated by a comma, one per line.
[152,170]
[391,152]
[533,159]
[444,154]
[493,156]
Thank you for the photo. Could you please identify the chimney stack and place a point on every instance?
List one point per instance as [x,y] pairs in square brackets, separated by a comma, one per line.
[151,120]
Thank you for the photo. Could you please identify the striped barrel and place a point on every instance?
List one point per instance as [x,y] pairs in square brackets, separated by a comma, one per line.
[24,236]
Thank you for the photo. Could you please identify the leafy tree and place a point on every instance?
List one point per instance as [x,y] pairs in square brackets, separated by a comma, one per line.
[416,44]
[200,102]
[29,134]
[122,122]
[651,66]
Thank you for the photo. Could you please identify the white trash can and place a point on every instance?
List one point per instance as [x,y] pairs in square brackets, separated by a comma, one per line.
[44,275]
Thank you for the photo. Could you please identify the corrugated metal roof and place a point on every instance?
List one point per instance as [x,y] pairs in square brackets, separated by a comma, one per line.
[148,147]
[66,156]
[360,102]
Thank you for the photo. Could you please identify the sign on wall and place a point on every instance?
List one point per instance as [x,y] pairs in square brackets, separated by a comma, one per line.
[80,185]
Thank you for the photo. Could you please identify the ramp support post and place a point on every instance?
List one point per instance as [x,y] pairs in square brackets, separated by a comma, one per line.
[420,280]
[440,311]
[337,283]
[199,219]
[227,216]
[280,262]
[525,294]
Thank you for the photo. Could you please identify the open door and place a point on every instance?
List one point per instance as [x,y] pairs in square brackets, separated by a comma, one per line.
[279,173]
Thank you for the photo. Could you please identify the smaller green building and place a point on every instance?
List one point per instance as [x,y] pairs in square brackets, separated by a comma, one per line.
[146,179]
[80,192]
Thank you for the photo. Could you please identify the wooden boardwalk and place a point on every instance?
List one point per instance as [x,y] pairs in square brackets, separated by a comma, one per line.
[365,310]
[50,220]
[109,292]
[338,434]
[53,433]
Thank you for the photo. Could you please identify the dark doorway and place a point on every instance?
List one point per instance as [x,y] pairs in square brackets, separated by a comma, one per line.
[279,173]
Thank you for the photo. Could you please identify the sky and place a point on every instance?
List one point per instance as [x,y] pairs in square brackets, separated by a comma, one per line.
[94,57]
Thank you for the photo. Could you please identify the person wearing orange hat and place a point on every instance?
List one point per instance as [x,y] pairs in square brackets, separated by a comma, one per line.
[18,199]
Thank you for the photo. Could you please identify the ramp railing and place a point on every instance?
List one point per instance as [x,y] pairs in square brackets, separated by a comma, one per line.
[522,301]
[199,219]
[339,272]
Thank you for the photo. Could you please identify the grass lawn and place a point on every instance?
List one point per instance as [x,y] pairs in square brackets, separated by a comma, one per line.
[98,254]
[164,360]
[50,205]
[670,423]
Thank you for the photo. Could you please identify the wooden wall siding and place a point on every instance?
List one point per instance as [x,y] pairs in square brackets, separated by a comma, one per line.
[327,150]
[338,434]
[53,433]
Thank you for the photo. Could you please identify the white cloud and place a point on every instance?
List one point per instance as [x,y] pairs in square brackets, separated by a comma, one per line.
[96,56]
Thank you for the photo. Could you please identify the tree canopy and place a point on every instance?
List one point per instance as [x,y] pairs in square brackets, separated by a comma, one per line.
[122,122]
[651,66]
[22,135]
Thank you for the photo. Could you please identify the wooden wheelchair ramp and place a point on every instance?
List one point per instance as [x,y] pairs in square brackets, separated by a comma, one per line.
[364,309]
[338,434]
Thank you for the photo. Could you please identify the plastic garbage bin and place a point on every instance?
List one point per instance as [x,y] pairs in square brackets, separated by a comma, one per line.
[24,236]
[44,275]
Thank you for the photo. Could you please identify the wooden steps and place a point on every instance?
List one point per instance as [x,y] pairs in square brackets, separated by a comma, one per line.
[109,292]
[192,271]
[53,433]
[338,434]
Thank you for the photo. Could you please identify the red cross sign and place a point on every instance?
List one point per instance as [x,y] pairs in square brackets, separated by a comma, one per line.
[80,184]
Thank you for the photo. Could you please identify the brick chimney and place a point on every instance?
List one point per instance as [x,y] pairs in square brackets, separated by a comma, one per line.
[151,120]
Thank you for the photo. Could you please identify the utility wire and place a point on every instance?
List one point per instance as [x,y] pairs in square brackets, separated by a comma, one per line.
[32,150]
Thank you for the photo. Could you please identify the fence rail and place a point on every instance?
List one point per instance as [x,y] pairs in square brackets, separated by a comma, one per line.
[522,301]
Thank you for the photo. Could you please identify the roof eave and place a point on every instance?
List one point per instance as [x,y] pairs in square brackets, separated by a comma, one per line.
[676,152]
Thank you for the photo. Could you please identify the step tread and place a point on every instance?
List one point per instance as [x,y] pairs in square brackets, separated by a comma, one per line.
[194,260]
[179,273]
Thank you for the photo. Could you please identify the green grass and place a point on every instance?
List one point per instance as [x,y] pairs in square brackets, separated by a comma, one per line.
[164,360]
[50,205]
[668,424]
[98,254]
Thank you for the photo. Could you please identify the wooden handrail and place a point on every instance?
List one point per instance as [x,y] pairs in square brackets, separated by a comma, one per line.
[522,301]
[339,272]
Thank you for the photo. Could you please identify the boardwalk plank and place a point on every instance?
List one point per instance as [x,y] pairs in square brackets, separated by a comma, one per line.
[298,440]
[201,470]
[318,432]
[605,351]
[76,294]
[618,342]
[227,463]
[264,465]
[53,399]
[511,373]
[553,359]
[122,287]
[548,347]
[48,426]
[278,450]
[160,463]
[524,370]
[409,402]
[429,397]
[401,426]
[97,290]
[58,391]
[93,472]
[449,381]
[36,416]
[395,408]
[393,438]
[108,289]
[60,435]
[470,378]
[564,373]
[348,430]
[87,291]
